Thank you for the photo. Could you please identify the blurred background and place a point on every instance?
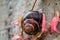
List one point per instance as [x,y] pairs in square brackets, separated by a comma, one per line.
[11,10]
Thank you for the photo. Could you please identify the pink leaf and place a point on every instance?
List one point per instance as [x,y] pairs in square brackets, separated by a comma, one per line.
[17,37]
[44,24]
[54,22]
[15,22]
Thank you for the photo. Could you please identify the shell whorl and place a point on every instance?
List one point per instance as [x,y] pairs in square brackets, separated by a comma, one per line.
[30,26]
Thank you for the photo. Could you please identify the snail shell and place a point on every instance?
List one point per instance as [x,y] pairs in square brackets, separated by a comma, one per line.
[31,22]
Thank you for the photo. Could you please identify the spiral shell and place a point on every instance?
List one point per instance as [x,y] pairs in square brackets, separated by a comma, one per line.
[31,22]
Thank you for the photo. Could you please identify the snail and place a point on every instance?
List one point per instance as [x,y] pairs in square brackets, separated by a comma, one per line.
[32,22]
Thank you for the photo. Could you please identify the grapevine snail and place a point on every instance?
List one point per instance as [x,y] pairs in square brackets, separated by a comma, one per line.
[31,22]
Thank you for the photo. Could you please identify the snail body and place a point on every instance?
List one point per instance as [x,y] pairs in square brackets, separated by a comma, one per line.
[31,22]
